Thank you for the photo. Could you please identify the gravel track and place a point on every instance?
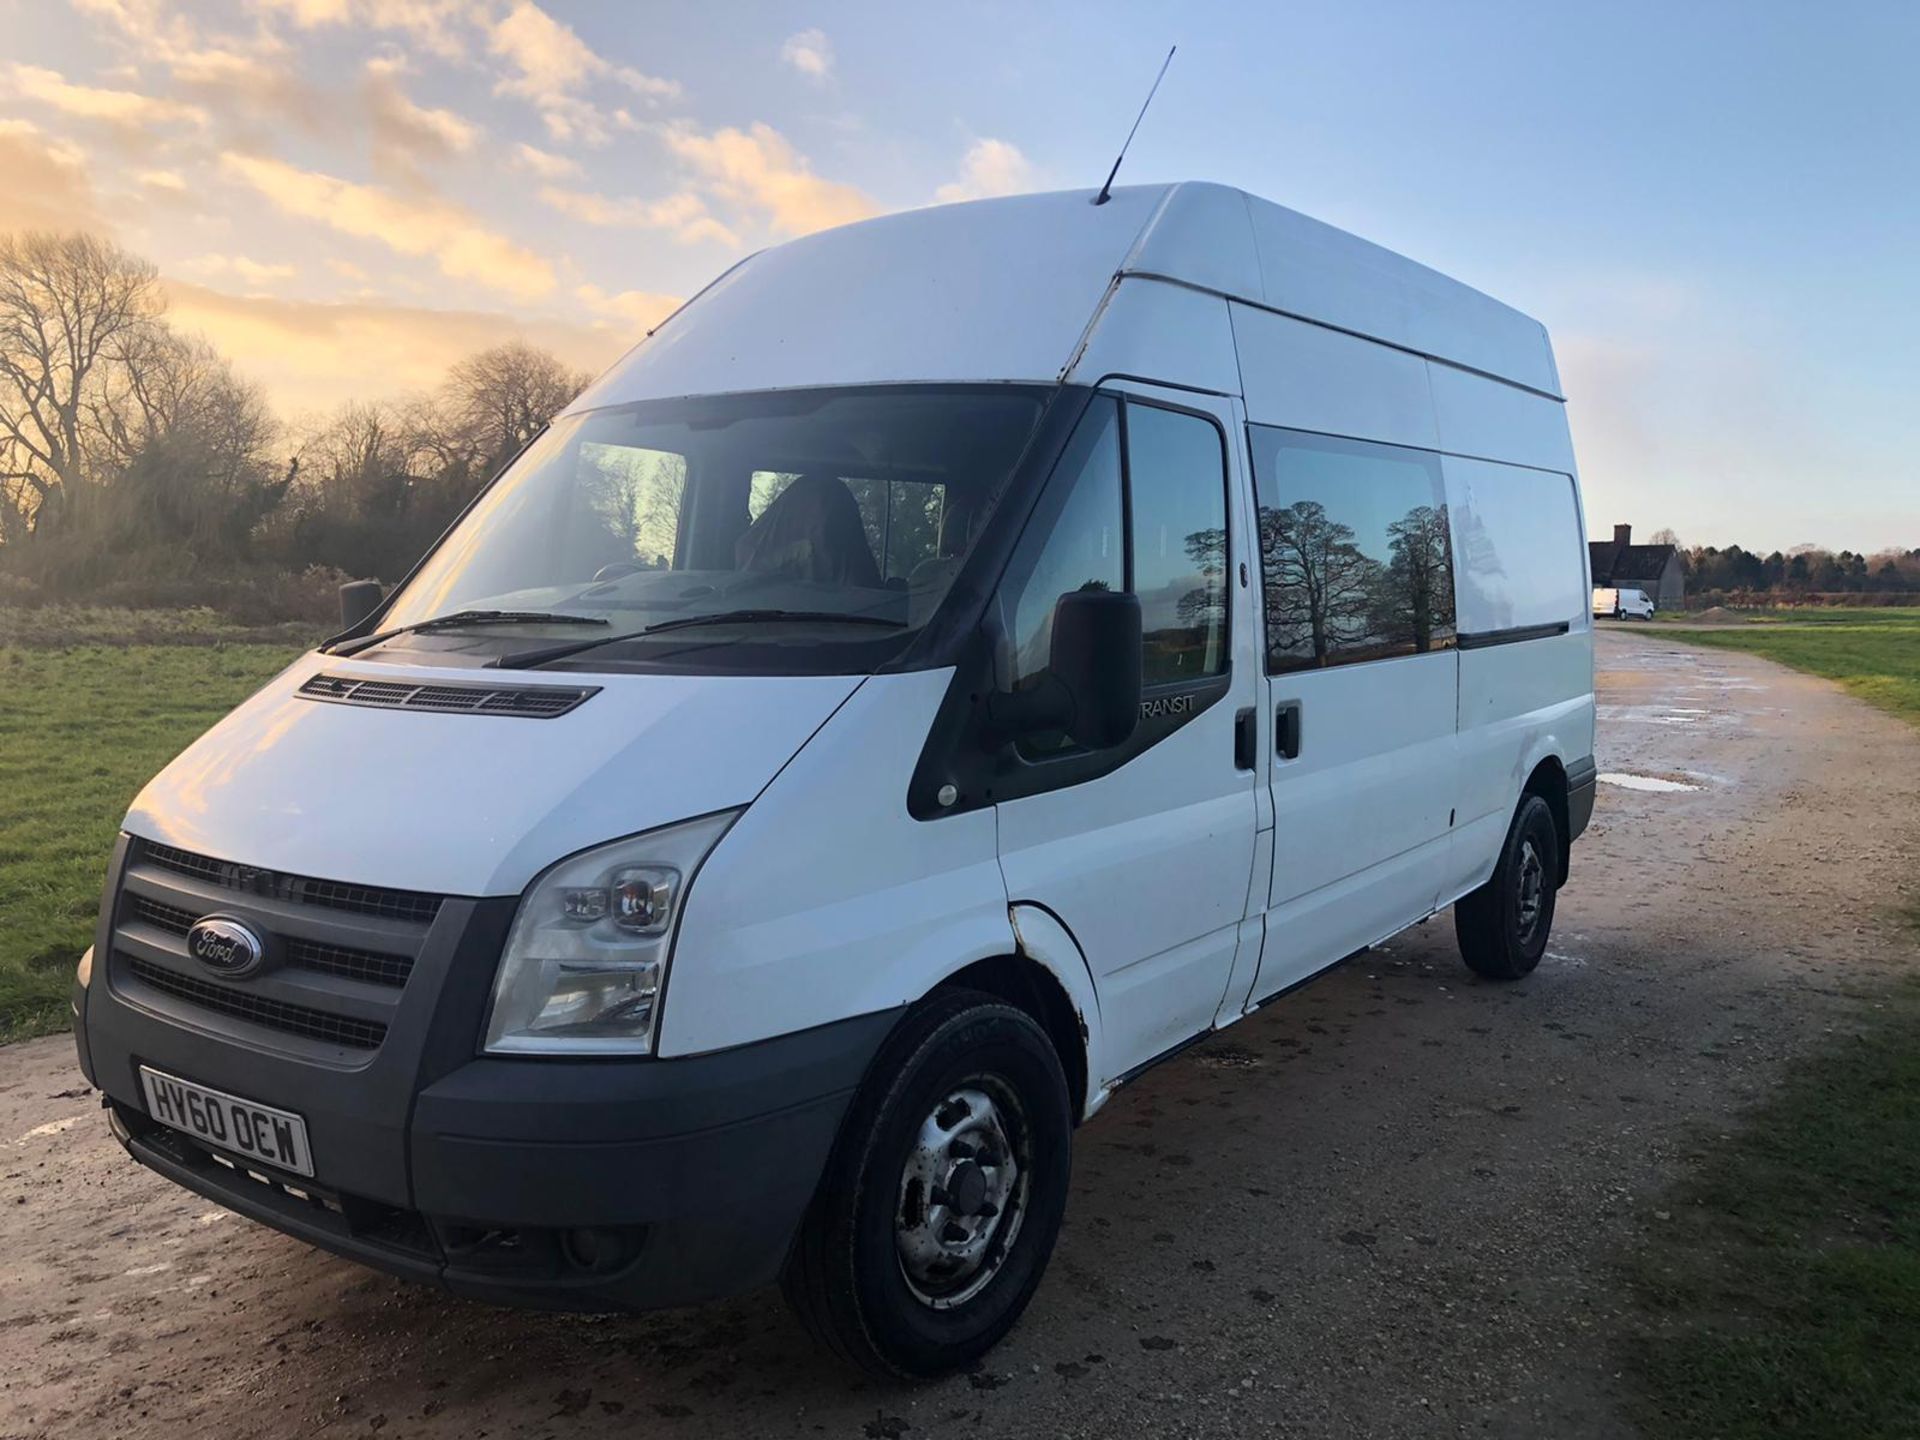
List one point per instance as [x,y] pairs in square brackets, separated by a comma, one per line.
[1388,1206]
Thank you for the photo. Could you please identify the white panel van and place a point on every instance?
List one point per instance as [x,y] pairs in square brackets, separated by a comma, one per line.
[955,662]
[1622,603]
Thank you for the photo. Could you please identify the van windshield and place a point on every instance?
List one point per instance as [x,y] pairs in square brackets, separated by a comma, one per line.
[787,510]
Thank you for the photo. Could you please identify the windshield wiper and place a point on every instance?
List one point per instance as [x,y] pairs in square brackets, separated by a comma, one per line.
[459,618]
[527,659]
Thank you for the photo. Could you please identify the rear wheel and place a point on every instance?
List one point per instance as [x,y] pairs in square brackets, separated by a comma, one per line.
[1503,926]
[943,1197]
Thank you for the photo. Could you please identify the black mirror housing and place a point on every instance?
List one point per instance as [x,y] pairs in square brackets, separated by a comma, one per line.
[358,600]
[1095,655]
[1091,688]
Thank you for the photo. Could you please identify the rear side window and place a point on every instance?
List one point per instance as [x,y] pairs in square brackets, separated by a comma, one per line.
[1355,550]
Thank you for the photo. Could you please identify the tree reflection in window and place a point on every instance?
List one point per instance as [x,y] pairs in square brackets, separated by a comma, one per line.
[1355,550]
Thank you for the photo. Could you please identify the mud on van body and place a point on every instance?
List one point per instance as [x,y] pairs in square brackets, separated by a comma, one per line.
[957,660]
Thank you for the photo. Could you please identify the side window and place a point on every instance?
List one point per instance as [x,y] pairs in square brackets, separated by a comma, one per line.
[1177,488]
[1355,550]
[1075,543]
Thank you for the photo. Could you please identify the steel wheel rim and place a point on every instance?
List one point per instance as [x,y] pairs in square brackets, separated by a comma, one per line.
[1532,890]
[963,1193]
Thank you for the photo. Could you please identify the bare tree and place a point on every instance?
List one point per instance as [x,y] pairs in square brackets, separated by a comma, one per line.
[1666,537]
[496,401]
[1319,583]
[1416,592]
[68,305]
[161,383]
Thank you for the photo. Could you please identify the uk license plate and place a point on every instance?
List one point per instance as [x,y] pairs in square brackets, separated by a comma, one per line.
[240,1127]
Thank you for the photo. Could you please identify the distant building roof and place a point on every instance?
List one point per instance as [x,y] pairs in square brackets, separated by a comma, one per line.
[1619,561]
[1615,564]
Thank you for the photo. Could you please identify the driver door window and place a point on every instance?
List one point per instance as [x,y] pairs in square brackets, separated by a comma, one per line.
[1083,549]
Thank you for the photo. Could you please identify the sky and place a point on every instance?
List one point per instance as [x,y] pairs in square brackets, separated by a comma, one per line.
[1714,207]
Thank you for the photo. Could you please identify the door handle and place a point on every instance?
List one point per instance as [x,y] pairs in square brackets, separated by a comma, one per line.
[1286,729]
[1246,741]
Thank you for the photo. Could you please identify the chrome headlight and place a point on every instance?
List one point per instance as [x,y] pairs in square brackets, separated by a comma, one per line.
[587,955]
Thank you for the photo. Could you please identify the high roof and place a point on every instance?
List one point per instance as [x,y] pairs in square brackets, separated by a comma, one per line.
[1008,289]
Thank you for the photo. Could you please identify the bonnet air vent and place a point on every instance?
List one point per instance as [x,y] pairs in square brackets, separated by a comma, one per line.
[528,702]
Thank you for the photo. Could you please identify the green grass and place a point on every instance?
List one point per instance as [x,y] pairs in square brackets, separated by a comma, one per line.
[60,627]
[81,730]
[1784,1292]
[1874,653]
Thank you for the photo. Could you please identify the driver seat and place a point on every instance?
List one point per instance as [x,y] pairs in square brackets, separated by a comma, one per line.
[811,532]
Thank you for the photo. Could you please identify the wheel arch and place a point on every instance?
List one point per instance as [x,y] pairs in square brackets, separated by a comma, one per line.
[1548,780]
[1047,976]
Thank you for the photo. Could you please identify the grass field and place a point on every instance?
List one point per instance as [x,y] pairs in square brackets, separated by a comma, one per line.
[1875,653]
[1784,1294]
[1785,1289]
[82,726]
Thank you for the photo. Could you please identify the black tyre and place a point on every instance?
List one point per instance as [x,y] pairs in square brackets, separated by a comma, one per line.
[942,1200]
[1503,926]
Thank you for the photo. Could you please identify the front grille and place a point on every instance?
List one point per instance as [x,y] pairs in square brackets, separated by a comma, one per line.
[405,905]
[339,956]
[355,964]
[526,702]
[242,1004]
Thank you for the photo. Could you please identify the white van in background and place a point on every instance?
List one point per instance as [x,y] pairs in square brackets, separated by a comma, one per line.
[954,663]
[1623,603]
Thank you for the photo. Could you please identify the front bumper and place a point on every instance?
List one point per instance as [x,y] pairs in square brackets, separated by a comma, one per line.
[566,1184]
[574,1185]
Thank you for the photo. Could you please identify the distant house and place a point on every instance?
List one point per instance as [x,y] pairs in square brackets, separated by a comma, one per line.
[1656,569]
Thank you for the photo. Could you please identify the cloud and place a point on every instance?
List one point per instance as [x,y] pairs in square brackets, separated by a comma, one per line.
[125,109]
[438,26]
[811,53]
[311,355]
[759,169]
[463,248]
[170,181]
[636,310]
[545,163]
[407,136]
[347,270]
[49,186]
[253,272]
[684,215]
[230,74]
[990,167]
[553,65]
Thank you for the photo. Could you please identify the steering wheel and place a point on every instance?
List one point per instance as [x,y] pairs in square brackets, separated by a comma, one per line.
[616,570]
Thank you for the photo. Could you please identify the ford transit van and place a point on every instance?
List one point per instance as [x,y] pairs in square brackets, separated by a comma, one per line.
[955,662]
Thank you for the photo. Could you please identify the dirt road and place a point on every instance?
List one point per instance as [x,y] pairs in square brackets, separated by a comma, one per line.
[1388,1206]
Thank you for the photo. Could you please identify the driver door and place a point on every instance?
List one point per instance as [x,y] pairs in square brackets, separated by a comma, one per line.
[1143,852]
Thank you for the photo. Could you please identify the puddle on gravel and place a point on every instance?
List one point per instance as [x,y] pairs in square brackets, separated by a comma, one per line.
[1642,782]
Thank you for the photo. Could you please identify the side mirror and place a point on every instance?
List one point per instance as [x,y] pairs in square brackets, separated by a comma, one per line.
[358,600]
[1092,686]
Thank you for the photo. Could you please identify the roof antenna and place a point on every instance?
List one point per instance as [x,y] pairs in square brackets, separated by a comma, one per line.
[1106,190]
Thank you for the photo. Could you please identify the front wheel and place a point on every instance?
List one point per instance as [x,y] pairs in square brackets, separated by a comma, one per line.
[1503,926]
[943,1197]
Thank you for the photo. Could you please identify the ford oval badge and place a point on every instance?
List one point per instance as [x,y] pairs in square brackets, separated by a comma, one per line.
[225,946]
